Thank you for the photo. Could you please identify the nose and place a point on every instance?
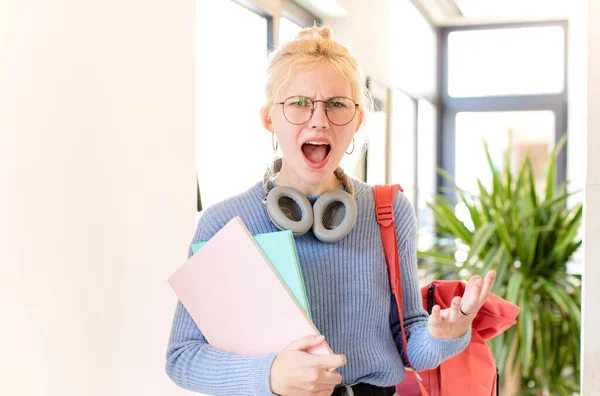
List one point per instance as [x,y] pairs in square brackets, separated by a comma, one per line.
[319,118]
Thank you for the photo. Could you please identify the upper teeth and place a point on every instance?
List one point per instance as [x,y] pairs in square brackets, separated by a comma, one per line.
[318,143]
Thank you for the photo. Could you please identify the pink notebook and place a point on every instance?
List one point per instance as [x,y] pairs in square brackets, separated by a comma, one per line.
[237,298]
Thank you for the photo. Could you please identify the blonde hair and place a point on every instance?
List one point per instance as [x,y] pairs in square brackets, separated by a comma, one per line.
[311,46]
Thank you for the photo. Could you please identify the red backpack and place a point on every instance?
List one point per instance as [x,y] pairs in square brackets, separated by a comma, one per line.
[471,372]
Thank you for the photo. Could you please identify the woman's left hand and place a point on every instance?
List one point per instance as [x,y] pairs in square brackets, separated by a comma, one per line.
[451,322]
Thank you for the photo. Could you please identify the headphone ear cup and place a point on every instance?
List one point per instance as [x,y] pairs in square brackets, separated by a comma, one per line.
[347,224]
[279,219]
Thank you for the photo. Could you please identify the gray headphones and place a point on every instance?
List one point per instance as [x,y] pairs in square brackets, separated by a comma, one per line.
[311,216]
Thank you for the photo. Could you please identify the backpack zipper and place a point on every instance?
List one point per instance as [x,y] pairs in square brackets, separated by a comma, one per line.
[430,297]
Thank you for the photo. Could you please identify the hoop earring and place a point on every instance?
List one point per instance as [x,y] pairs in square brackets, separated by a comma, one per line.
[274,144]
[353,144]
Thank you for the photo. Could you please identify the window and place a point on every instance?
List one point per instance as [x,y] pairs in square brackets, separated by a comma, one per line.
[287,30]
[230,70]
[376,134]
[354,164]
[510,61]
[497,81]
[376,146]
[530,131]
[426,171]
[403,144]
[414,54]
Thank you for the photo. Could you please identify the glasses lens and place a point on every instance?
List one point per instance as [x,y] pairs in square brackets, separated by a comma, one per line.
[340,111]
[297,109]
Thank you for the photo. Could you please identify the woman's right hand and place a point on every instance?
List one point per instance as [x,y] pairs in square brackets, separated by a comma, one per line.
[297,373]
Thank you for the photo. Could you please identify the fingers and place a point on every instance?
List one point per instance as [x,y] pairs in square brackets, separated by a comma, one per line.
[487,286]
[329,361]
[455,313]
[451,313]
[322,381]
[471,297]
[294,369]
[473,288]
[450,322]
[331,378]
[305,343]
[476,292]
[435,316]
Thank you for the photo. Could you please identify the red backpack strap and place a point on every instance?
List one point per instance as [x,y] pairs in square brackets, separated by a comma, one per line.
[384,199]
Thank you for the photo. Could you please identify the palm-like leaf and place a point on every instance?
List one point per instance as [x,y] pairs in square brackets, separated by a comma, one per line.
[527,236]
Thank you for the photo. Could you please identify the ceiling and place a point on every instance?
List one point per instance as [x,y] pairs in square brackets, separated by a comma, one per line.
[462,12]
[514,8]
[465,12]
[325,8]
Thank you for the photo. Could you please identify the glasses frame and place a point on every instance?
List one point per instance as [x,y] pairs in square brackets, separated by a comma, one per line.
[312,111]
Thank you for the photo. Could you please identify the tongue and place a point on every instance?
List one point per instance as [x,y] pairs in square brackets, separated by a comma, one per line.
[315,153]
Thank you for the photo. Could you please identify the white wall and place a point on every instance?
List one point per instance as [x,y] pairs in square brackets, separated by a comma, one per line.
[378,33]
[97,192]
[577,81]
[577,113]
[414,52]
[366,32]
[396,46]
[591,272]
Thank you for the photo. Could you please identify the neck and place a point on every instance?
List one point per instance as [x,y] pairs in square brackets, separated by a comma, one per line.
[285,176]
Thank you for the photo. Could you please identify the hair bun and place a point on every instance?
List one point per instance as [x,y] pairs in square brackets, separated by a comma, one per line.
[315,32]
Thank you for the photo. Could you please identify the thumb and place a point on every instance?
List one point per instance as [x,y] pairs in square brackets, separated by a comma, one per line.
[304,343]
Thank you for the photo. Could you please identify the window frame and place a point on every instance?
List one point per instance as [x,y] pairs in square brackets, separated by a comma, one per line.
[272,13]
[298,14]
[451,106]
[253,6]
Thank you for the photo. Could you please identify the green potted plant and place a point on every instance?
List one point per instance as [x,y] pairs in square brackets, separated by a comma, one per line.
[527,236]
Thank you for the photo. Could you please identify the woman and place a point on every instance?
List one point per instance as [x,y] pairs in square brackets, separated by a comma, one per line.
[315,103]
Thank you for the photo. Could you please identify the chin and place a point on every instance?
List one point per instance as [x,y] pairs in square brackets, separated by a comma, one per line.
[312,173]
[317,174]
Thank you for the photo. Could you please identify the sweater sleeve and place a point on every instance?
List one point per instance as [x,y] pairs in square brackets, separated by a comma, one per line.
[193,364]
[424,351]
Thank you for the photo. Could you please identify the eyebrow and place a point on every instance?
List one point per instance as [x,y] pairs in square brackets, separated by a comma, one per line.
[326,99]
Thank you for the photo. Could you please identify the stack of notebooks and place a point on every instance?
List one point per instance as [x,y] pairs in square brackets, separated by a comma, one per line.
[246,293]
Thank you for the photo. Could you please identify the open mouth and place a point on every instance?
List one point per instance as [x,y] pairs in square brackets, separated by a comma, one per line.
[316,153]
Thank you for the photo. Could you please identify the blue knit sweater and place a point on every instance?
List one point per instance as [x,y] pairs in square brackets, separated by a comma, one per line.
[350,298]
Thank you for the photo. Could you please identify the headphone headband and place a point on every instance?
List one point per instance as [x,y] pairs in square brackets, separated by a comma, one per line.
[275,168]
[310,216]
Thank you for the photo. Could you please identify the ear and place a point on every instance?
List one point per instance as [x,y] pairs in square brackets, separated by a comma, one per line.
[265,117]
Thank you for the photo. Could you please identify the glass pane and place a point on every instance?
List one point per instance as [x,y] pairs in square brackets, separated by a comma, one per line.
[376,148]
[414,51]
[531,131]
[287,30]
[376,134]
[354,164]
[427,175]
[223,141]
[506,61]
[403,144]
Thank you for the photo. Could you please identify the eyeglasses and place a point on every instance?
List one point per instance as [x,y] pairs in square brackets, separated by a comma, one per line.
[299,109]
